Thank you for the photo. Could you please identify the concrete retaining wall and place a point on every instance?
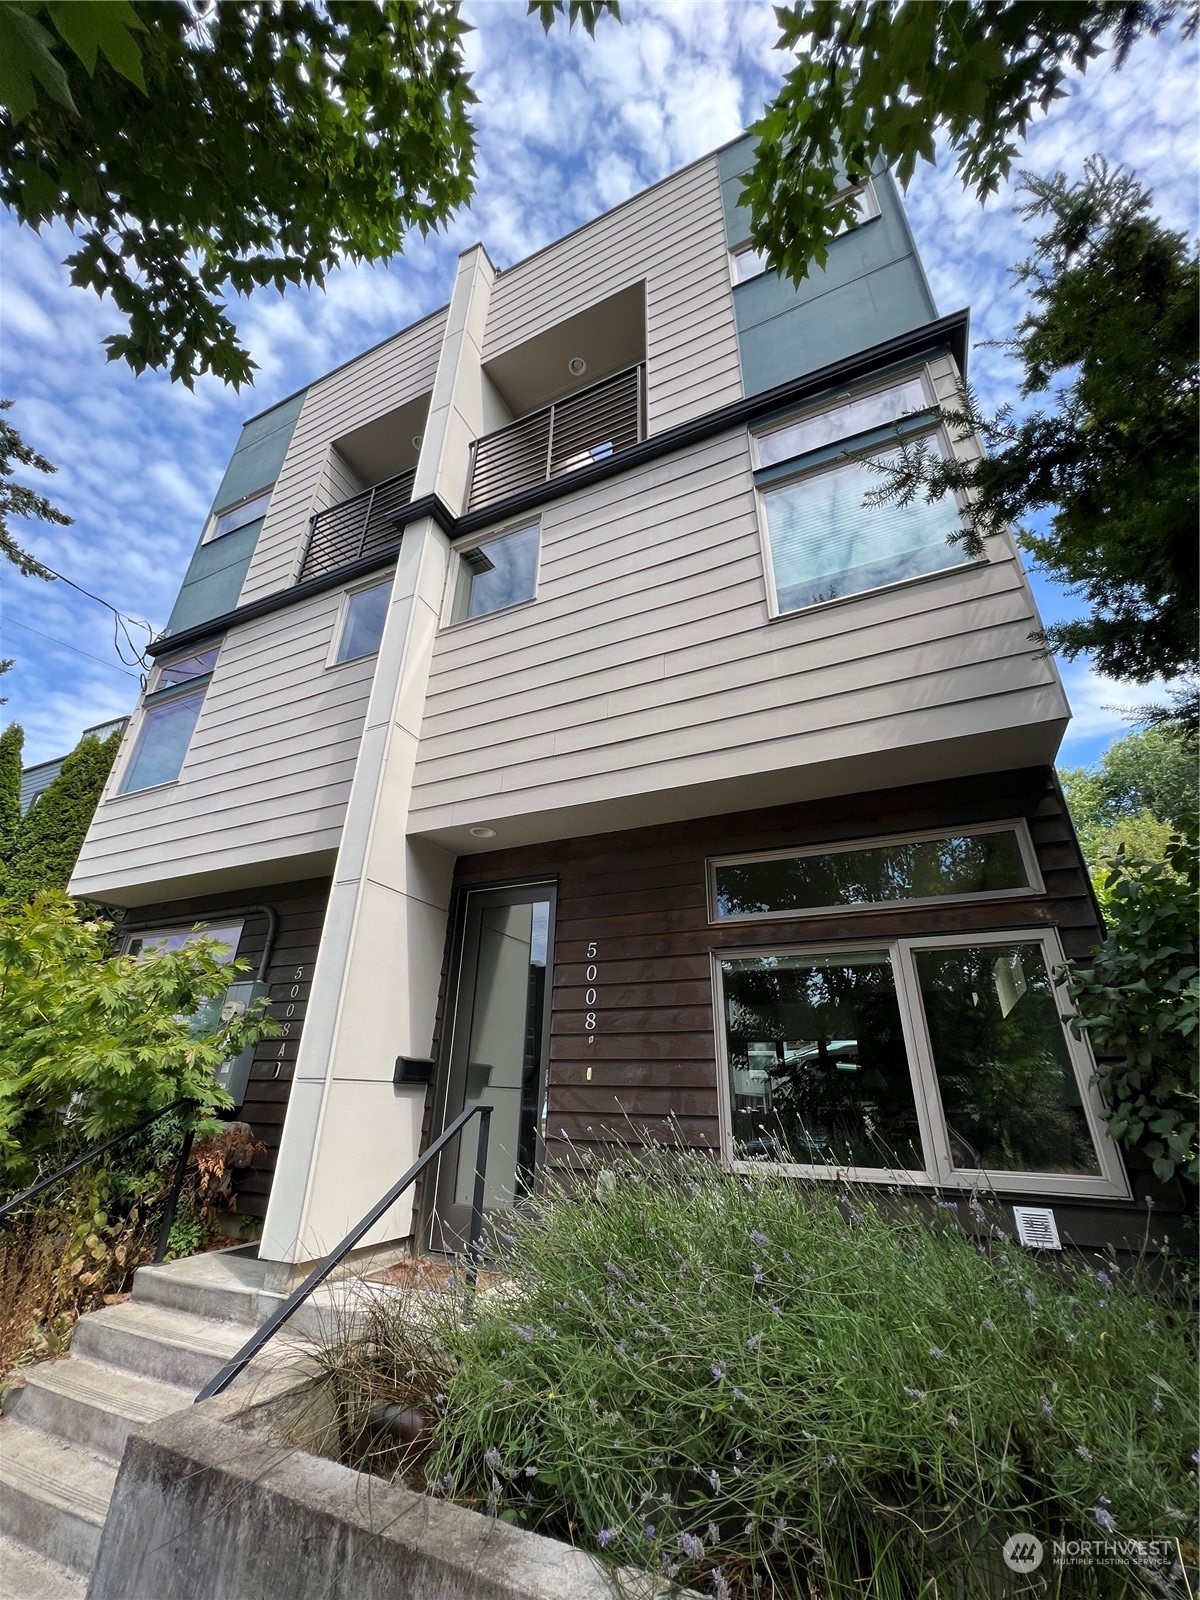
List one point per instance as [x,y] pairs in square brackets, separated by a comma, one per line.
[212,1504]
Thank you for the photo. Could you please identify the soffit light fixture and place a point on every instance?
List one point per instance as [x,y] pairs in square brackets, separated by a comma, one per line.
[482,833]
[577,366]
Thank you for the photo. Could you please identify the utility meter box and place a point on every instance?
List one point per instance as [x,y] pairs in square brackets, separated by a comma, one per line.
[233,1075]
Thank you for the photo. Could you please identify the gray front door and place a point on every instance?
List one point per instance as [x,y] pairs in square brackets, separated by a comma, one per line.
[497,1049]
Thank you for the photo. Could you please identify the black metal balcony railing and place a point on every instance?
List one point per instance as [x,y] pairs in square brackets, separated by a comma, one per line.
[586,427]
[356,528]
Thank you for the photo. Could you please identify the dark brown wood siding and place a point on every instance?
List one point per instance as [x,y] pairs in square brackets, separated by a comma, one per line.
[300,908]
[641,898]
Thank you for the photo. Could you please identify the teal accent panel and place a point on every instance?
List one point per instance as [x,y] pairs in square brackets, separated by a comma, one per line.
[731,163]
[871,288]
[214,578]
[259,454]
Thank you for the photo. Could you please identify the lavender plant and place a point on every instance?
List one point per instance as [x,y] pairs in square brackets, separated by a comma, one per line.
[763,1388]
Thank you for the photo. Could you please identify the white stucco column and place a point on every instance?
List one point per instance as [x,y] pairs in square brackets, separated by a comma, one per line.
[349,1132]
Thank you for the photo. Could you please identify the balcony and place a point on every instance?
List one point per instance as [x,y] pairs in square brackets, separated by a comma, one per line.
[357,528]
[588,426]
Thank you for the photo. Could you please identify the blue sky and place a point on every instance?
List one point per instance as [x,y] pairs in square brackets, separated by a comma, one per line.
[567,128]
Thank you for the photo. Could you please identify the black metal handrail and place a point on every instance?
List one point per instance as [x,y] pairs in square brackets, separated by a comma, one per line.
[284,1313]
[168,1218]
[356,528]
[585,427]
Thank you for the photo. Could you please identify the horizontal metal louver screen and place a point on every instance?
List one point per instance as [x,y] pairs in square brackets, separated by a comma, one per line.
[590,426]
[356,529]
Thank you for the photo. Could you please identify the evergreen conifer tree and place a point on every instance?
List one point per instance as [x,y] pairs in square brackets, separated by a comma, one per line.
[51,832]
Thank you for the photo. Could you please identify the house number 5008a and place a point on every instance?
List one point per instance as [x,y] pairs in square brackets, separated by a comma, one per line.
[589,996]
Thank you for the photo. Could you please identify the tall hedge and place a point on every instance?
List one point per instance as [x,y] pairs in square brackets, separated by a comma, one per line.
[51,832]
[12,742]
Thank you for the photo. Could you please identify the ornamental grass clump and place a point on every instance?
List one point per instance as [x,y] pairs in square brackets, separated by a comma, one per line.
[764,1388]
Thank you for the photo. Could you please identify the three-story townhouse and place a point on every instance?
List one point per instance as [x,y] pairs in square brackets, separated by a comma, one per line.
[552,722]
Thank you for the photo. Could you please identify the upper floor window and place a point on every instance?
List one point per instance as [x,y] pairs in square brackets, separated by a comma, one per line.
[363,616]
[168,719]
[991,860]
[824,541]
[501,572]
[239,515]
[747,262]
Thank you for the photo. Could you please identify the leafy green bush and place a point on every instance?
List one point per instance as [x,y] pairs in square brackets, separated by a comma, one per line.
[1139,1002]
[760,1387]
[93,1041]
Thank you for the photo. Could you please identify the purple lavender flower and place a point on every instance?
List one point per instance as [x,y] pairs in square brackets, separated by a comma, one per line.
[1047,1406]
[759,1240]
[938,1355]
[650,1530]
[718,1370]
[491,1458]
[988,1325]
[756,1268]
[753,1342]
[1082,1451]
[1103,1277]
[605,1537]
[720,1586]
[1157,1404]
[776,1312]
[738,1394]
[1105,1518]
[692,1547]
[714,1533]
[714,1479]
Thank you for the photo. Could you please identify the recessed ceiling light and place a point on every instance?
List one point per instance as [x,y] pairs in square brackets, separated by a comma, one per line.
[417,440]
[482,833]
[577,366]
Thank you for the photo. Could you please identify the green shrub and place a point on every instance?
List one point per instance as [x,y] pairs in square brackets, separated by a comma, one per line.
[767,1388]
[93,1042]
[1139,1002]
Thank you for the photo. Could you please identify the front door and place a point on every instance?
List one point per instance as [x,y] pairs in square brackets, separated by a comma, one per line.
[499,1037]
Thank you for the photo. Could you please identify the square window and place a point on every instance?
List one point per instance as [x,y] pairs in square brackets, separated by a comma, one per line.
[502,572]
[362,621]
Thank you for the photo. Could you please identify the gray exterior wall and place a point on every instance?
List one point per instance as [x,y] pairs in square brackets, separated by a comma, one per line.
[213,581]
[871,288]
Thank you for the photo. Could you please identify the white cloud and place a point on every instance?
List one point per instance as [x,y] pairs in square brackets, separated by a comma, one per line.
[568,127]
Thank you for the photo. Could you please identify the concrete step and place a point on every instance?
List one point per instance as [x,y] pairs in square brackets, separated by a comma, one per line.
[154,1341]
[53,1497]
[27,1576]
[91,1405]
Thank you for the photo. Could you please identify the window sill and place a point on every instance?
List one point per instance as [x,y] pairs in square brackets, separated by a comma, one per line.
[500,611]
[149,788]
[352,661]
[886,588]
[1043,1186]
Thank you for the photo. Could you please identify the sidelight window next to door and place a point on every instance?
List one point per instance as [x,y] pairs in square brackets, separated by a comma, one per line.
[498,1045]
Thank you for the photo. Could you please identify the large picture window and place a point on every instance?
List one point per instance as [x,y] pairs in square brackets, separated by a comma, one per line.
[824,541]
[169,715]
[942,1060]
